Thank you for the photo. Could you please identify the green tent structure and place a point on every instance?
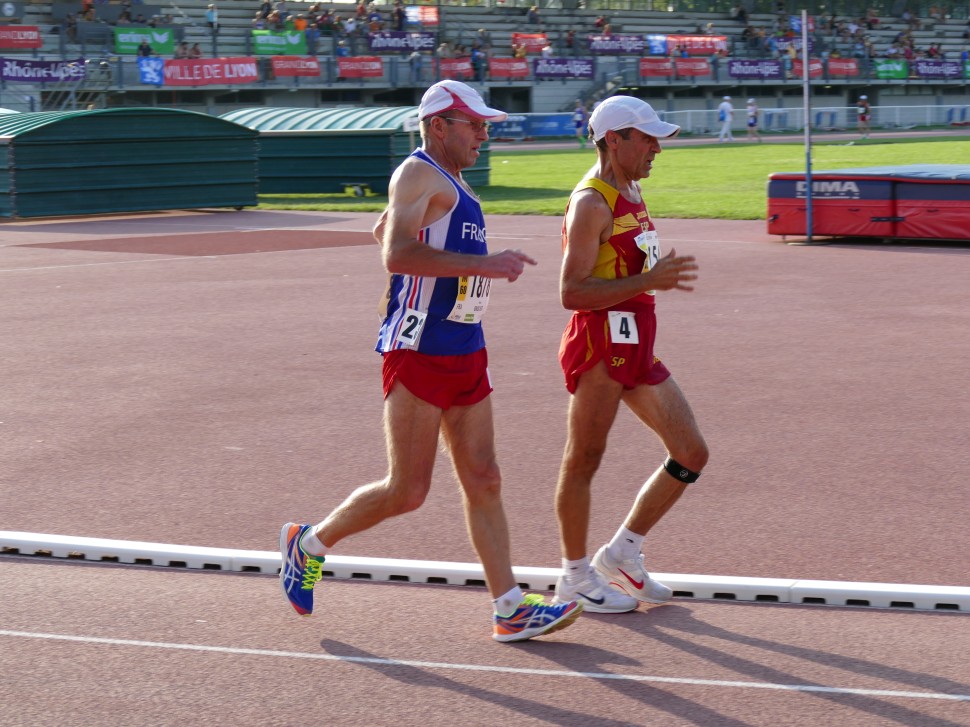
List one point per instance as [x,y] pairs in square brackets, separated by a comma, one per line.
[124,160]
[327,150]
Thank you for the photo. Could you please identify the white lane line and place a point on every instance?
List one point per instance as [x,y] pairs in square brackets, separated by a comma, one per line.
[486,668]
[112,262]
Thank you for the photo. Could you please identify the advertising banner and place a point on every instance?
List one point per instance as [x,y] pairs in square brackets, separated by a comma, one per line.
[657,67]
[455,68]
[933,68]
[814,68]
[550,125]
[562,67]
[843,67]
[692,66]
[128,38]
[754,69]
[386,41]
[27,71]
[211,71]
[295,66]
[360,67]
[20,36]
[421,14]
[151,71]
[512,128]
[697,45]
[891,68]
[533,42]
[279,43]
[617,44]
[508,68]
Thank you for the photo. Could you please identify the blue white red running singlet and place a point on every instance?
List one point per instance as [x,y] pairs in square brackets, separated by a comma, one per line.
[440,316]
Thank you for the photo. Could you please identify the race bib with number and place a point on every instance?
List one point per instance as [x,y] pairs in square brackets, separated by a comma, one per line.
[411,328]
[472,299]
[650,244]
[623,327]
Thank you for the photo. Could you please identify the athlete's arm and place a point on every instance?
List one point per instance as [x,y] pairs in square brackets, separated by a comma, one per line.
[419,195]
[589,223]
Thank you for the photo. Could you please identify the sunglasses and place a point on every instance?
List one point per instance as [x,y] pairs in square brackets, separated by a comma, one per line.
[477,126]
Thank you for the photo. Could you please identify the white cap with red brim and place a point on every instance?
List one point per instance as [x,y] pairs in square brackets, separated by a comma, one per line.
[456,96]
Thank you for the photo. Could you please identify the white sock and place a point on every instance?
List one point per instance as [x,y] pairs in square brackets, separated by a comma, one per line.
[312,545]
[625,545]
[575,571]
[506,605]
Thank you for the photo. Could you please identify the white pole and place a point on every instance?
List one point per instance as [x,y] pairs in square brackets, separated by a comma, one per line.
[806,104]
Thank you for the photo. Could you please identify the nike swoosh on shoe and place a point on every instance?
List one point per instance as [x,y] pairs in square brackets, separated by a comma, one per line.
[597,601]
[636,584]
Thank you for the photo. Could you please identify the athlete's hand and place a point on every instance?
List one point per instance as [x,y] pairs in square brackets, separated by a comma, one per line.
[508,264]
[672,272]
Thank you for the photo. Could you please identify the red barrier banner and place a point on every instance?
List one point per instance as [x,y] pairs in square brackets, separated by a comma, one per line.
[455,68]
[360,67]
[692,66]
[533,42]
[508,68]
[211,71]
[814,67]
[295,66]
[698,45]
[843,67]
[20,36]
[662,67]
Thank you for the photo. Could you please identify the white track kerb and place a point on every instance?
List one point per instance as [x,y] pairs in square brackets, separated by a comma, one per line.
[768,590]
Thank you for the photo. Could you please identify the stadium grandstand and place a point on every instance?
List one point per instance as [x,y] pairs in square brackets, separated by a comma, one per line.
[214,56]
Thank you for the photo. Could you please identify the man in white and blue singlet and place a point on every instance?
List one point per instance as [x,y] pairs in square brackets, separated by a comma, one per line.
[435,365]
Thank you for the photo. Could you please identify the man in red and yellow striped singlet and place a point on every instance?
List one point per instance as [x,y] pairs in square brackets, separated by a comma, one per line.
[612,267]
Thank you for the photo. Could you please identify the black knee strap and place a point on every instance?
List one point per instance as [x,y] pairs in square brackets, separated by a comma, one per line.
[676,470]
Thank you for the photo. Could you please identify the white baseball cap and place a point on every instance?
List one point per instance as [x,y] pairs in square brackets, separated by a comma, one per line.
[627,112]
[750,100]
[456,96]
[863,98]
[727,98]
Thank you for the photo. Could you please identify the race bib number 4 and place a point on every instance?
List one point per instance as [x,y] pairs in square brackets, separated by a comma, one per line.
[472,299]
[623,327]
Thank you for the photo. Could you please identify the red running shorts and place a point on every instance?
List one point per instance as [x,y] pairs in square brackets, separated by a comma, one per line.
[444,381]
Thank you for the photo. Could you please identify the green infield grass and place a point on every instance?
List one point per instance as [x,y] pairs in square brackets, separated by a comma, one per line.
[717,181]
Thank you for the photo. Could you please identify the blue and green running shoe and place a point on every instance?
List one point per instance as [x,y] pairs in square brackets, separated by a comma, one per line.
[300,571]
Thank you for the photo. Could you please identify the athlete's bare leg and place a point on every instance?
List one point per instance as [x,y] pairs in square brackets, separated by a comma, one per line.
[592,410]
[664,408]
[411,428]
[469,434]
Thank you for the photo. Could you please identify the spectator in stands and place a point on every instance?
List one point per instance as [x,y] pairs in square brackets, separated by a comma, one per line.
[350,34]
[399,14]
[966,32]
[265,8]
[478,61]
[375,22]
[739,14]
[139,20]
[599,22]
[212,18]
[416,62]
[546,51]
[519,50]
[570,42]
[182,51]
[280,7]
[70,27]
[342,51]
[144,49]
[360,12]
[300,22]
[258,21]
[607,30]
[911,20]
[532,17]
[484,38]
